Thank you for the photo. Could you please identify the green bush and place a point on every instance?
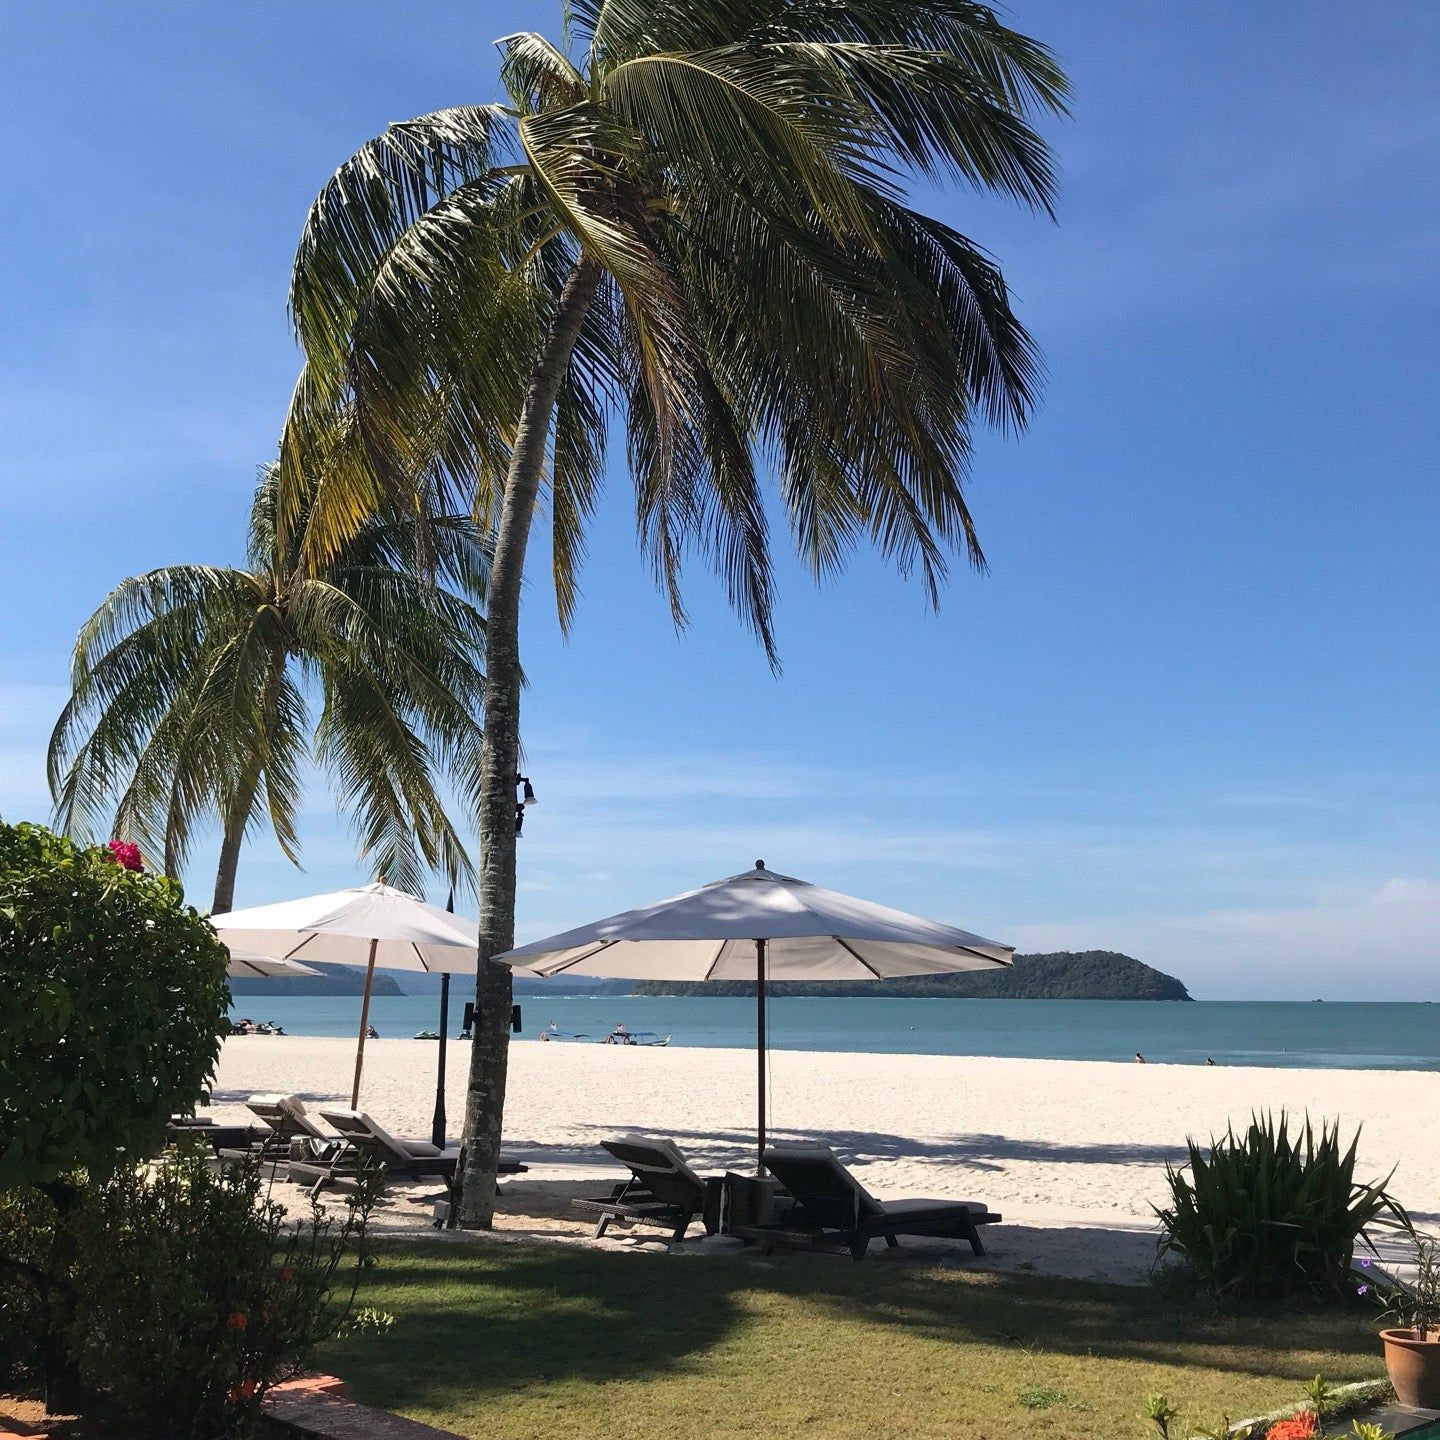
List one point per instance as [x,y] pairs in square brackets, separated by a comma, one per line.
[1263,1214]
[197,1295]
[27,1232]
[112,1004]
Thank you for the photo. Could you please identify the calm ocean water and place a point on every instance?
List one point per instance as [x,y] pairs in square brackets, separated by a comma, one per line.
[1328,1036]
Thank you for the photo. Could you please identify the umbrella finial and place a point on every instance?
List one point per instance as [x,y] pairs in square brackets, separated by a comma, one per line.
[759,864]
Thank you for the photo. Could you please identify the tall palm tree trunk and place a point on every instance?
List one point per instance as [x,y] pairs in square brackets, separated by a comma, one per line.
[489,1055]
[224,900]
[243,800]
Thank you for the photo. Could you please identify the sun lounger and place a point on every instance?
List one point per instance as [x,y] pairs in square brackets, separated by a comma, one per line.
[217,1137]
[662,1189]
[369,1148]
[286,1121]
[829,1207]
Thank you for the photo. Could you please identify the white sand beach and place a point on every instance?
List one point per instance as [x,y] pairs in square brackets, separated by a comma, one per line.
[1072,1153]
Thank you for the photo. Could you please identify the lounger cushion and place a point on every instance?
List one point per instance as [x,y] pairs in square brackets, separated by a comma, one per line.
[294,1107]
[927,1209]
[665,1149]
[355,1124]
[825,1157]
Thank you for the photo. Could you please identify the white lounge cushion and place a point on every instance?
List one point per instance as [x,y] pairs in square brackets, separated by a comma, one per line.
[668,1148]
[348,1122]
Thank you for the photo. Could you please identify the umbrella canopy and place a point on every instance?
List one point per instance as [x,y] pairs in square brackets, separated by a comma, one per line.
[761,926]
[338,928]
[264,967]
[811,934]
[368,925]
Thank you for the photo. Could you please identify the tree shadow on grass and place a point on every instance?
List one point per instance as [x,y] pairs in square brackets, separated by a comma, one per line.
[478,1322]
[474,1322]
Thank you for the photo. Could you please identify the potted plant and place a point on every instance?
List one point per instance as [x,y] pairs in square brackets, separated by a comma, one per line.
[1412,1344]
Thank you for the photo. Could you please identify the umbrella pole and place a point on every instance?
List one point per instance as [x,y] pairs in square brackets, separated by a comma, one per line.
[760,1051]
[364,1026]
[437,1125]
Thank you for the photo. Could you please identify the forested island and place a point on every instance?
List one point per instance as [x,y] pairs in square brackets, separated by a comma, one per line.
[328,980]
[1064,975]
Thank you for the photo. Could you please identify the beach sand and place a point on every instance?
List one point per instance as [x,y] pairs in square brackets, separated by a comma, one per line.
[1071,1152]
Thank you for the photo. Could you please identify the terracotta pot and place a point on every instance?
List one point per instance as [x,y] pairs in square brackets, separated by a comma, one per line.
[1414,1367]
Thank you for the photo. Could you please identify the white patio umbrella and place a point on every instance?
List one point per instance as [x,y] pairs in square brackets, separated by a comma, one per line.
[368,925]
[264,966]
[761,926]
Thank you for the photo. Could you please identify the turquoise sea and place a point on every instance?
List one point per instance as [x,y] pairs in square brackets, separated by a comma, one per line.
[1333,1035]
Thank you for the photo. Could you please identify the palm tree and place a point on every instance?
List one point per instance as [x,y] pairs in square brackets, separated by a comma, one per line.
[691,221]
[191,696]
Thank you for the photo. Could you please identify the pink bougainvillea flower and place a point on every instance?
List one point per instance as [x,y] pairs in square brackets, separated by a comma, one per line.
[126,853]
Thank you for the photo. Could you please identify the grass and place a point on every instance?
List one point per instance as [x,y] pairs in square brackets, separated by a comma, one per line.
[508,1341]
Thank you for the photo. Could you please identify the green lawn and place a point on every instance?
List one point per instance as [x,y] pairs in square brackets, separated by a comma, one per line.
[509,1341]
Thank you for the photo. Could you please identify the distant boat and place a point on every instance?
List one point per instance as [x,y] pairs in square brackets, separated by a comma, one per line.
[621,1036]
[553,1032]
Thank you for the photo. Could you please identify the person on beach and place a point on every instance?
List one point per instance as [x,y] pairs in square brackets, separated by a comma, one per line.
[371,1033]
[1139,1058]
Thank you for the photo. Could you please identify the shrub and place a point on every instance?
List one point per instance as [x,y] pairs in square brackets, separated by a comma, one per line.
[27,1232]
[1262,1214]
[198,1295]
[112,1002]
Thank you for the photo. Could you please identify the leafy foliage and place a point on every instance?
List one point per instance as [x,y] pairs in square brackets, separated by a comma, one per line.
[112,1002]
[199,1295]
[192,693]
[1410,1304]
[27,1225]
[1265,1214]
[731,175]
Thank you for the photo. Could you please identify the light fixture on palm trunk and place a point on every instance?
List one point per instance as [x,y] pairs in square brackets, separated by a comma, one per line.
[527,797]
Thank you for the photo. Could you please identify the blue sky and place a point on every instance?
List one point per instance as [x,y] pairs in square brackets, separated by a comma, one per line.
[1191,712]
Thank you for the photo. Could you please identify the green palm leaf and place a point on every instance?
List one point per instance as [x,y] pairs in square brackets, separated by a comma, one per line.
[191,688]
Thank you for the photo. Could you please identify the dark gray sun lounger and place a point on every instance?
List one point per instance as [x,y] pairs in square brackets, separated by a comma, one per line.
[369,1148]
[829,1207]
[220,1138]
[662,1189]
[287,1121]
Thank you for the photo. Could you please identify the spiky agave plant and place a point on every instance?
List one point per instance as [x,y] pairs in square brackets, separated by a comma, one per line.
[1265,1213]
[688,221]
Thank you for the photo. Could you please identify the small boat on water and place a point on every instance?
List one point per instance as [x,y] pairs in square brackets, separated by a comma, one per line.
[618,1036]
[621,1036]
[553,1032]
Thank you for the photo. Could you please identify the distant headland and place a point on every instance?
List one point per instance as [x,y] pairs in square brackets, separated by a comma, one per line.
[1063,975]
[328,980]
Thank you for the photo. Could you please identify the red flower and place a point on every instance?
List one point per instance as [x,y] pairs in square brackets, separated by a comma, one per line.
[286,1274]
[126,854]
[244,1391]
[1304,1425]
[238,1321]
